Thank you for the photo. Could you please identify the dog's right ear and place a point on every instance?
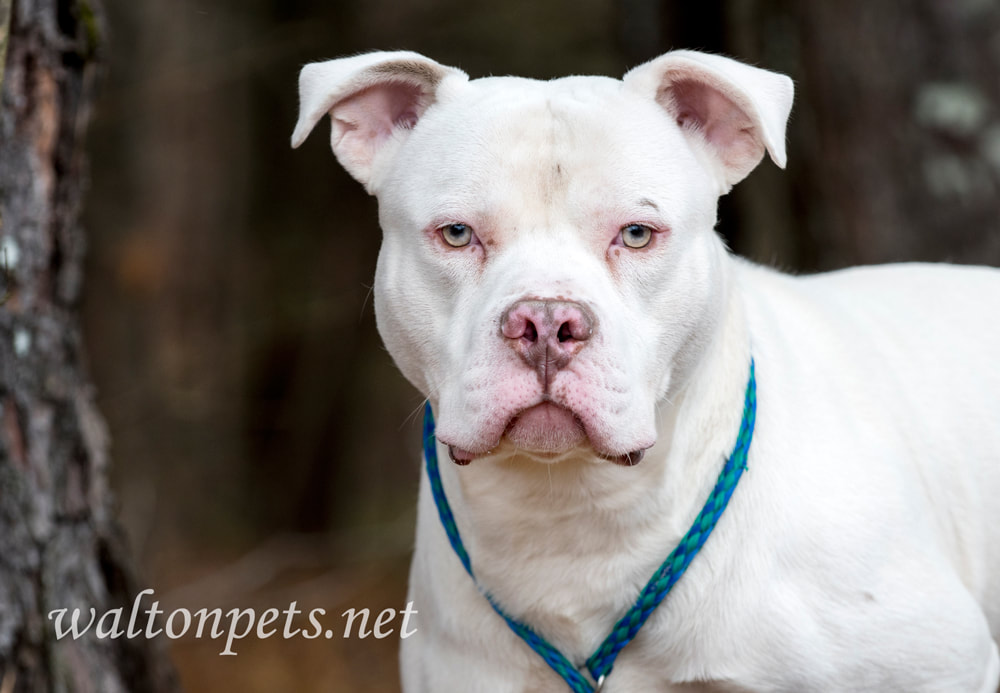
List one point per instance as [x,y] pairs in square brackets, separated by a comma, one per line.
[373,101]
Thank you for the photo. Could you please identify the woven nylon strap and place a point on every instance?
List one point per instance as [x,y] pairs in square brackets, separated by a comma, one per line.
[599,665]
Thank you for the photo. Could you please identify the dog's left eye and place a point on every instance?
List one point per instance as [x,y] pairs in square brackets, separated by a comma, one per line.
[636,235]
[457,235]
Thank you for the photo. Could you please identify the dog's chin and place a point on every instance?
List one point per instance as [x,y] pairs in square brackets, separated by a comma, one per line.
[545,432]
[546,429]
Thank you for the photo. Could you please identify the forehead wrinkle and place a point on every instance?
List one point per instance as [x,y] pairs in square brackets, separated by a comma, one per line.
[548,170]
[544,152]
[527,149]
[559,148]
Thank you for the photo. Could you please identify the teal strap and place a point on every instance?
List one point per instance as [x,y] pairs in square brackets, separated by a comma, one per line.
[600,663]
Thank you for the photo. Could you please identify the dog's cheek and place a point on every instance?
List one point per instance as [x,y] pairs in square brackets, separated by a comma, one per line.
[672,307]
[695,307]
[420,299]
[409,315]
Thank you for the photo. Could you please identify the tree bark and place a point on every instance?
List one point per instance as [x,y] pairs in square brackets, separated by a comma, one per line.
[60,546]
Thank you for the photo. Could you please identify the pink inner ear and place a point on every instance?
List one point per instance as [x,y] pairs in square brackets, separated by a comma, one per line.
[724,124]
[407,119]
[364,121]
[690,103]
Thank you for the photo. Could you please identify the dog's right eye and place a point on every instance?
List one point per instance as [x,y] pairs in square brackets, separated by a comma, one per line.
[636,236]
[457,235]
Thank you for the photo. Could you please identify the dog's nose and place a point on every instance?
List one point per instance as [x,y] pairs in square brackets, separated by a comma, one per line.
[547,333]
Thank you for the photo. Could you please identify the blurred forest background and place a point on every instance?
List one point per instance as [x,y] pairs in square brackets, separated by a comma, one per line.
[265,448]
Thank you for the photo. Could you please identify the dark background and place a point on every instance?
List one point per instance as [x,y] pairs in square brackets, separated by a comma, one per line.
[265,447]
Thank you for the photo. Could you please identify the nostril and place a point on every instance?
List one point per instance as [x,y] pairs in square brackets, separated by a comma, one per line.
[565,332]
[530,332]
[575,327]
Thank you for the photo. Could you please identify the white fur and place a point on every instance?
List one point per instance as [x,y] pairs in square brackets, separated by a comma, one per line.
[861,550]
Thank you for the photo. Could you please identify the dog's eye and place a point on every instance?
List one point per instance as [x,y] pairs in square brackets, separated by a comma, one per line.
[636,235]
[457,235]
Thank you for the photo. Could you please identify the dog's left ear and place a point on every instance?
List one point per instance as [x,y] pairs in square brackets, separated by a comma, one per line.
[739,111]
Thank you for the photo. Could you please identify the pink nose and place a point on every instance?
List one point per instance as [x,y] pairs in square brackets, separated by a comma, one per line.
[547,334]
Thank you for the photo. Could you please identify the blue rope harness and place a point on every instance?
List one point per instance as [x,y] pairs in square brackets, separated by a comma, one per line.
[599,664]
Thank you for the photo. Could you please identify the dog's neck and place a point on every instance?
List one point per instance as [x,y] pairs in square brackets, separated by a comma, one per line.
[524,522]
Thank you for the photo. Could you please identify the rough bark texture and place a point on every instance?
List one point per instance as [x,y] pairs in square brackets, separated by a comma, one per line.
[4,27]
[59,544]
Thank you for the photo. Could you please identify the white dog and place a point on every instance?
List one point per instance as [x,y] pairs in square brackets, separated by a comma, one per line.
[549,278]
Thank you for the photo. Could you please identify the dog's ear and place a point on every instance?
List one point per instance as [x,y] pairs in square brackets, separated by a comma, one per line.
[373,101]
[739,111]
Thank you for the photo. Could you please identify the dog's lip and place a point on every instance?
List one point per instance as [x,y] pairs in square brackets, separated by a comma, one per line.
[547,427]
[629,459]
[463,456]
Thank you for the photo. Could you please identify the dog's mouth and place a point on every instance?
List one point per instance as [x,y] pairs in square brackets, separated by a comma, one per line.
[546,428]
[546,431]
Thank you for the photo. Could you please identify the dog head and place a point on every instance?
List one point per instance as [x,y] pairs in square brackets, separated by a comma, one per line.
[549,270]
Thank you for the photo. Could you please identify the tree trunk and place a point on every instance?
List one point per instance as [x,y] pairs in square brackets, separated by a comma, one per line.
[59,544]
